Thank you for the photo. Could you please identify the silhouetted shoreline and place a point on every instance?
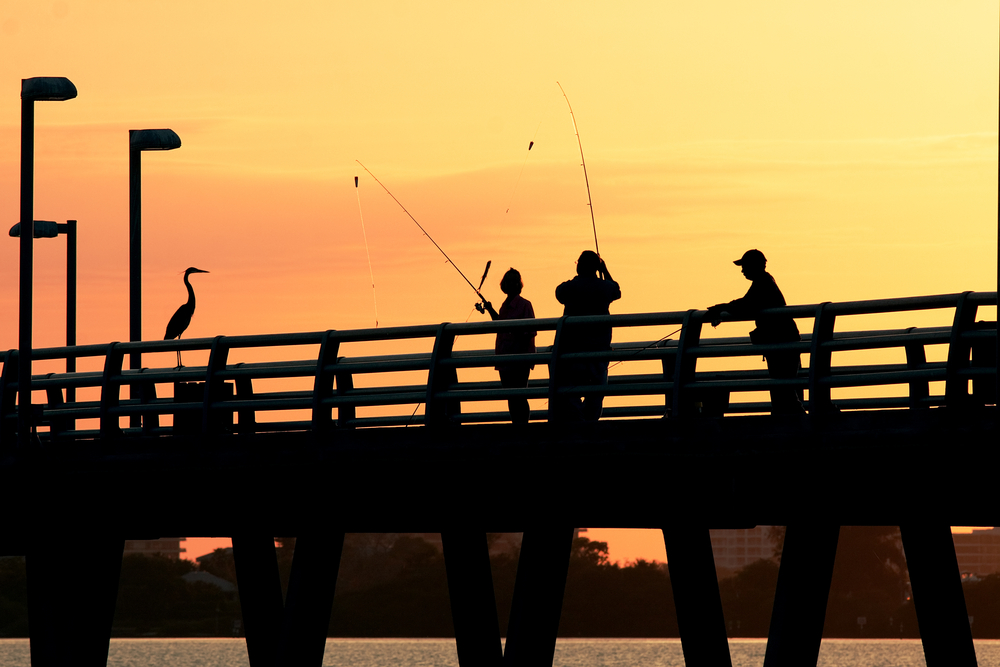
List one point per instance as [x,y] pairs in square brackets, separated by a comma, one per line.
[401,591]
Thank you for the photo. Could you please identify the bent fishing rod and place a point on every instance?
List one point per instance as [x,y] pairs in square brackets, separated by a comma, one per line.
[583,163]
[431,239]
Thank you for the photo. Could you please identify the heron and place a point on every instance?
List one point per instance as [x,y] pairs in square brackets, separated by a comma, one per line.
[182,318]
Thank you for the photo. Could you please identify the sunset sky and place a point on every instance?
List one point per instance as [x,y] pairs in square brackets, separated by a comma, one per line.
[854,143]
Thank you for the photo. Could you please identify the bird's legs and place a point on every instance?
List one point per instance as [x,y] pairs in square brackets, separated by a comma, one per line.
[179,364]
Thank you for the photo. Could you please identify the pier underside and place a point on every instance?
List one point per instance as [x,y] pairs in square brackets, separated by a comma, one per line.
[923,470]
[861,468]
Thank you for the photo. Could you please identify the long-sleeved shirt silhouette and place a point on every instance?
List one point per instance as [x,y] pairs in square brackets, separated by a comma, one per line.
[584,295]
[587,295]
[763,294]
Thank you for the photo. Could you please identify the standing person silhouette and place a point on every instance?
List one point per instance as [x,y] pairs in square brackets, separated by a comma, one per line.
[514,374]
[764,293]
[589,293]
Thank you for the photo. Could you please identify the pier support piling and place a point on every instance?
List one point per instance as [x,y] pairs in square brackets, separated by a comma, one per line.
[695,585]
[260,597]
[800,600]
[473,599]
[938,596]
[538,596]
[309,601]
[71,602]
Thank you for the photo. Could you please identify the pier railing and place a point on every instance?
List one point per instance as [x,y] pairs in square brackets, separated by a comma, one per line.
[331,390]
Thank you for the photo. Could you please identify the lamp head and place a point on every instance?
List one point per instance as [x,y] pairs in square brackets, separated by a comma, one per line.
[42,229]
[47,89]
[153,140]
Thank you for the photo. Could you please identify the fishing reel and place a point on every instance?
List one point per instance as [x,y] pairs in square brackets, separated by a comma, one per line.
[481,308]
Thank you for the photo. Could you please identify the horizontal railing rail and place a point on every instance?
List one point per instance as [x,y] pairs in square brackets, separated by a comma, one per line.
[331,390]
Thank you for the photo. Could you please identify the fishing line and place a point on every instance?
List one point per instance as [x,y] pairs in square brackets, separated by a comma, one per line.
[364,233]
[440,249]
[412,414]
[583,163]
[637,352]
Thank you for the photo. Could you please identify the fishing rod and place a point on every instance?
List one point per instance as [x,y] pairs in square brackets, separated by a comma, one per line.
[643,349]
[479,306]
[371,272]
[583,163]
[431,239]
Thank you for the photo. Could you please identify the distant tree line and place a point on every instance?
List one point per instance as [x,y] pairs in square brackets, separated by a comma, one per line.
[392,586]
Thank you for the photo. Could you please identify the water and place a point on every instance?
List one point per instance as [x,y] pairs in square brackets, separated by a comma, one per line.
[441,653]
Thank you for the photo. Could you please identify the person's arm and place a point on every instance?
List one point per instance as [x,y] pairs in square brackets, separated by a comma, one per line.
[494,315]
[749,304]
[562,291]
[529,314]
[613,290]
[742,307]
[745,306]
[603,271]
[715,313]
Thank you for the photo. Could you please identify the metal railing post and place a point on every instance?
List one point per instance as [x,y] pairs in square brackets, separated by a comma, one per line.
[957,388]
[8,401]
[111,391]
[916,358]
[54,399]
[820,360]
[247,416]
[554,374]
[214,387]
[684,369]
[345,413]
[669,365]
[147,394]
[439,379]
[322,418]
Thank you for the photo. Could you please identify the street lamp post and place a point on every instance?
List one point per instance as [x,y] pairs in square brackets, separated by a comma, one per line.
[49,229]
[37,89]
[139,141]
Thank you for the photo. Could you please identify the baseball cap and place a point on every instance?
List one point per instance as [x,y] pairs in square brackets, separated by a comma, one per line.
[751,257]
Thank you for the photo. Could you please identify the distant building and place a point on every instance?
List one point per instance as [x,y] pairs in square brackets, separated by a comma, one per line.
[210,579]
[736,548]
[169,547]
[979,551]
[202,560]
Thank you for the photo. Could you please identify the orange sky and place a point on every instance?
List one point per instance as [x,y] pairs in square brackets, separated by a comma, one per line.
[855,143]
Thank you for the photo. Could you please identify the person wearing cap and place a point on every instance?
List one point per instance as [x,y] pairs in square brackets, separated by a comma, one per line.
[589,293]
[764,294]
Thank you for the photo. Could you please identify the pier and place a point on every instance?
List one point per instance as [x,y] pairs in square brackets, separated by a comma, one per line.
[405,429]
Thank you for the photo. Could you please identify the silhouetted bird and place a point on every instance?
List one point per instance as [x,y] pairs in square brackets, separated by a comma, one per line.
[182,318]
